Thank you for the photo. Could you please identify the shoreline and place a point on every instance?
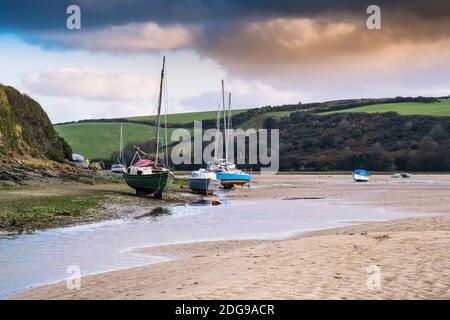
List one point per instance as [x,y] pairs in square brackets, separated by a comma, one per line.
[186,249]
[202,263]
[109,198]
[330,263]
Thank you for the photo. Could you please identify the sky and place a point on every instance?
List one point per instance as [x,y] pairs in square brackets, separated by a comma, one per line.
[268,53]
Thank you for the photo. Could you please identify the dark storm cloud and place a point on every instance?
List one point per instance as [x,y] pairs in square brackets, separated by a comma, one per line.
[254,38]
[21,15]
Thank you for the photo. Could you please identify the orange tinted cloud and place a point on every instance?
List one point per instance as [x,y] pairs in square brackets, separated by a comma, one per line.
[329,45]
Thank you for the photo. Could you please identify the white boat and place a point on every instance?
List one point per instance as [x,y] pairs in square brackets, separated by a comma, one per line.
[80,161]
[361,175]
[396,175]
[204,181]
[119,166]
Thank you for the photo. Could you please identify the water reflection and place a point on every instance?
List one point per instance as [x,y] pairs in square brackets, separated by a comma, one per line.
[155,213]
[43,257]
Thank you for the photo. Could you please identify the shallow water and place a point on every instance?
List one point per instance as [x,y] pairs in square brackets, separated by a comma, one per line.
[43,257]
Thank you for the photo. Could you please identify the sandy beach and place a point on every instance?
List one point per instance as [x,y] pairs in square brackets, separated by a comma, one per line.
[398,259]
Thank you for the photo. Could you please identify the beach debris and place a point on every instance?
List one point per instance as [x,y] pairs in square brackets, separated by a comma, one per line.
[401,175]
[381,237]
[206,201]
[338,275]
[406,175]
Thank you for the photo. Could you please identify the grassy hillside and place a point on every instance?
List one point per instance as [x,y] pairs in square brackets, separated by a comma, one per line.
[257,122]
[406,108]
[187,116]
[98,140]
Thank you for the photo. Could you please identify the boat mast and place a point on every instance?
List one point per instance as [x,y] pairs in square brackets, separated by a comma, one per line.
[224,122]
[229,120]
[121,145]
[216,142]
[166,111]
[158,119]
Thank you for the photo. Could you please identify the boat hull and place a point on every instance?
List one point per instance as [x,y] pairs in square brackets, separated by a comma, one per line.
[233,180]
[155,183]
[117,169]
[360,178]
[204,186]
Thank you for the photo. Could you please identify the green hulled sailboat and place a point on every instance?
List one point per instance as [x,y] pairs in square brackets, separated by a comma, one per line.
[147,175]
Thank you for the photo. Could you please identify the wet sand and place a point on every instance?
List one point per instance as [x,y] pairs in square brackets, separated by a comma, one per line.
[412,255]
[91,203]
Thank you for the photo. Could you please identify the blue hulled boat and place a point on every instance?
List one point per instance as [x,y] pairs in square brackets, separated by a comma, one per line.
[225,170]
[234,179]
[229,176]
[361,175]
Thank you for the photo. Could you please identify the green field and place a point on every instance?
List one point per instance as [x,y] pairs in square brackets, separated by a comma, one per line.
[406,108]
[187,116]
[98,140]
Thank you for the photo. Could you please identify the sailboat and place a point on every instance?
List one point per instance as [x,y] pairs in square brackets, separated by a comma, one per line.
[205,181]
[148,175]
[119,166]
[226,171]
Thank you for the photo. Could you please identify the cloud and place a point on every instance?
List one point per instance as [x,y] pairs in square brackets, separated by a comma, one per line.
[281,49]
[49,15]
[244,36]
[265,38]
[62,109]
[244,95]
[321,47]
[88,84]
[281,42]
[130,38]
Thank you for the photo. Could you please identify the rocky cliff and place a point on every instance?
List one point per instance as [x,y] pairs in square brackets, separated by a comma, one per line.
[26,130]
